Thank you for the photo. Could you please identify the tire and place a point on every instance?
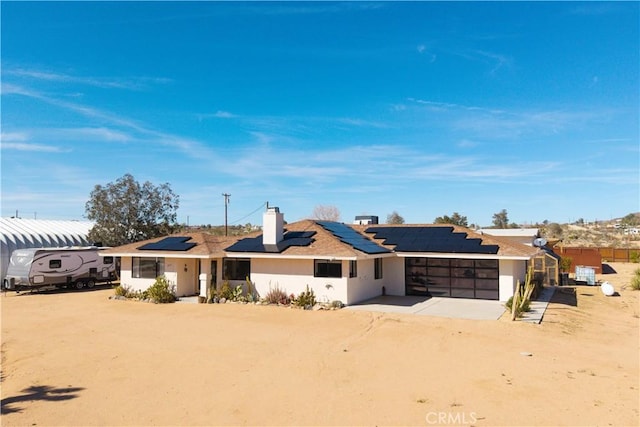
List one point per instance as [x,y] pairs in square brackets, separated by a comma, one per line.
[79,284]
[90,283]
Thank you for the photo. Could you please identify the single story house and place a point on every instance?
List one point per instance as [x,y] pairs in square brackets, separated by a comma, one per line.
[349,263]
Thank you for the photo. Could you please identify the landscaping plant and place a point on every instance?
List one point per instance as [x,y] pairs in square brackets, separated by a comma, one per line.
[306,299]
[161,292]
[276,295]
[635,280]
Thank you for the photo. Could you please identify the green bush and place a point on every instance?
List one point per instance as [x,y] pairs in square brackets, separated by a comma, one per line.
[224,291]
[634,257]
[565,263]
[161,292]
[122,290]
[519,310]
[635,280]
[236,294]
[306,299]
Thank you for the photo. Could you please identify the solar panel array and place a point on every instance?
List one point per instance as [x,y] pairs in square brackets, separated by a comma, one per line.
[430,239]
[169,244]
[290,238]
[351,237]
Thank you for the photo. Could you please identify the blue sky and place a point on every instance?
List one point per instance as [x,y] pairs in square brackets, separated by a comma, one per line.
[422,108]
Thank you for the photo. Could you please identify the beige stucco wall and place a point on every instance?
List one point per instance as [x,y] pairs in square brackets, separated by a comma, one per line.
[185,282]
[510,272]
[293,275]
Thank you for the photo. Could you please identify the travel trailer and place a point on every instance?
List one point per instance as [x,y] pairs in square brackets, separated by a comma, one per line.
[75,267]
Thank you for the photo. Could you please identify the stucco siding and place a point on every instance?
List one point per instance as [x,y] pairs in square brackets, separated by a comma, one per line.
[293,275]
[510,272]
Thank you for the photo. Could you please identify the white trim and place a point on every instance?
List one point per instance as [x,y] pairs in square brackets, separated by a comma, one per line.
[460,256]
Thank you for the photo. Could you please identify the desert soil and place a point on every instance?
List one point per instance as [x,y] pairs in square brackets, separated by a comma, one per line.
[78,358]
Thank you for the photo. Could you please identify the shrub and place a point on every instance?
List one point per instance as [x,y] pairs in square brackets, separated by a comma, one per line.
[565,263]
[224,291]
[525,307]
[122,290]
[252,295]
[306,299]
[236,294]
[634,257]
[277,296]
[635,280]
[160,292]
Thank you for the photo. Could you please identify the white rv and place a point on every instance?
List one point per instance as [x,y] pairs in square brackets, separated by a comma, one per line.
[58,267]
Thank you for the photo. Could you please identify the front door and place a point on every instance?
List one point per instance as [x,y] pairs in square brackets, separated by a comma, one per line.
[214,273]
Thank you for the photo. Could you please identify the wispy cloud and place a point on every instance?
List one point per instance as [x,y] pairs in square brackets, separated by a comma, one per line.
[142,132]
[487,122]
[130,83]
[23,146]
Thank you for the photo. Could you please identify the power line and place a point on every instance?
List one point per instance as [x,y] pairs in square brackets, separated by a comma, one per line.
[248,215]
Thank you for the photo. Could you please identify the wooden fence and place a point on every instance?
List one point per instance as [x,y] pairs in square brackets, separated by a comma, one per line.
[617,254]
[594,257]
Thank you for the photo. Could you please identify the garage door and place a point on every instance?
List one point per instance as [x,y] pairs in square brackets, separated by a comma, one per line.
[456,278]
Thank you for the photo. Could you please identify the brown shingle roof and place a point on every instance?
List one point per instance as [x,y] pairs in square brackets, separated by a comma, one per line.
[324,243]
[206,245]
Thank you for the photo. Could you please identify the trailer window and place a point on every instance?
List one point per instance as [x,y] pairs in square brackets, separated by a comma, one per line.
[107,260]
[147,268]
[55,263]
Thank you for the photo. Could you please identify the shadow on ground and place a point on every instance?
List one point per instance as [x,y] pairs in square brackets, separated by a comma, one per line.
[39,392]
[51,291]
[566,296]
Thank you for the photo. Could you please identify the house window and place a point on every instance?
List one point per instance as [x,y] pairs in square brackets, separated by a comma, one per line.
[377,267]
[55,263]
[107,260]
[147,268]
[326,268]
[236,268]
[353,268]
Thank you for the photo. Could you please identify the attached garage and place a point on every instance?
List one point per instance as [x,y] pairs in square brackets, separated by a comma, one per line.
[455,277]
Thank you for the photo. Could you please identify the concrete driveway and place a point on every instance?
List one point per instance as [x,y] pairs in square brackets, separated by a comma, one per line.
[443,307]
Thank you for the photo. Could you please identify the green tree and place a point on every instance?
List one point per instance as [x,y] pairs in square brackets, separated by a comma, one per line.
[500,219]
[630,220]
[126,212]
[395,218]
[455,219]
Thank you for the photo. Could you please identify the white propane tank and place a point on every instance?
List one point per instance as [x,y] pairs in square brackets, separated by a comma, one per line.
[607,289]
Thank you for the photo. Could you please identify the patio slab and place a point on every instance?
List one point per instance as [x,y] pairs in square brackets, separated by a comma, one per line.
[457,308]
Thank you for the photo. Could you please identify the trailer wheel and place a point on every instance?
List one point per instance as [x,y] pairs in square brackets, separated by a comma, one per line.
[79,284]
[91,283]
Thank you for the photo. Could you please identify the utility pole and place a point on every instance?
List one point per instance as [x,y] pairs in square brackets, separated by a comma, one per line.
[226,202]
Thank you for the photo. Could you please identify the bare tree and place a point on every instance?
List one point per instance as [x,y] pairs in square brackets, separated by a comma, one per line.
[395,218]
[326,213]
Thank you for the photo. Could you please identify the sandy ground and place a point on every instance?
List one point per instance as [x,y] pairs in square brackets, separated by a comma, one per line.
[78,358]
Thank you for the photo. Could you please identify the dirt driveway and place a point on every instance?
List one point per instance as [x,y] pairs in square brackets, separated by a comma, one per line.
[78,358]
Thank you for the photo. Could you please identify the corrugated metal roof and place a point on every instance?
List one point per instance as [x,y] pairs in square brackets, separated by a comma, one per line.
[20,233]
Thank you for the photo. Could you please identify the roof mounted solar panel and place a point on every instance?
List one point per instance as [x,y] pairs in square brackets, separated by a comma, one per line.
[256,245]
[351,237]
[442,239]
[177,244]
